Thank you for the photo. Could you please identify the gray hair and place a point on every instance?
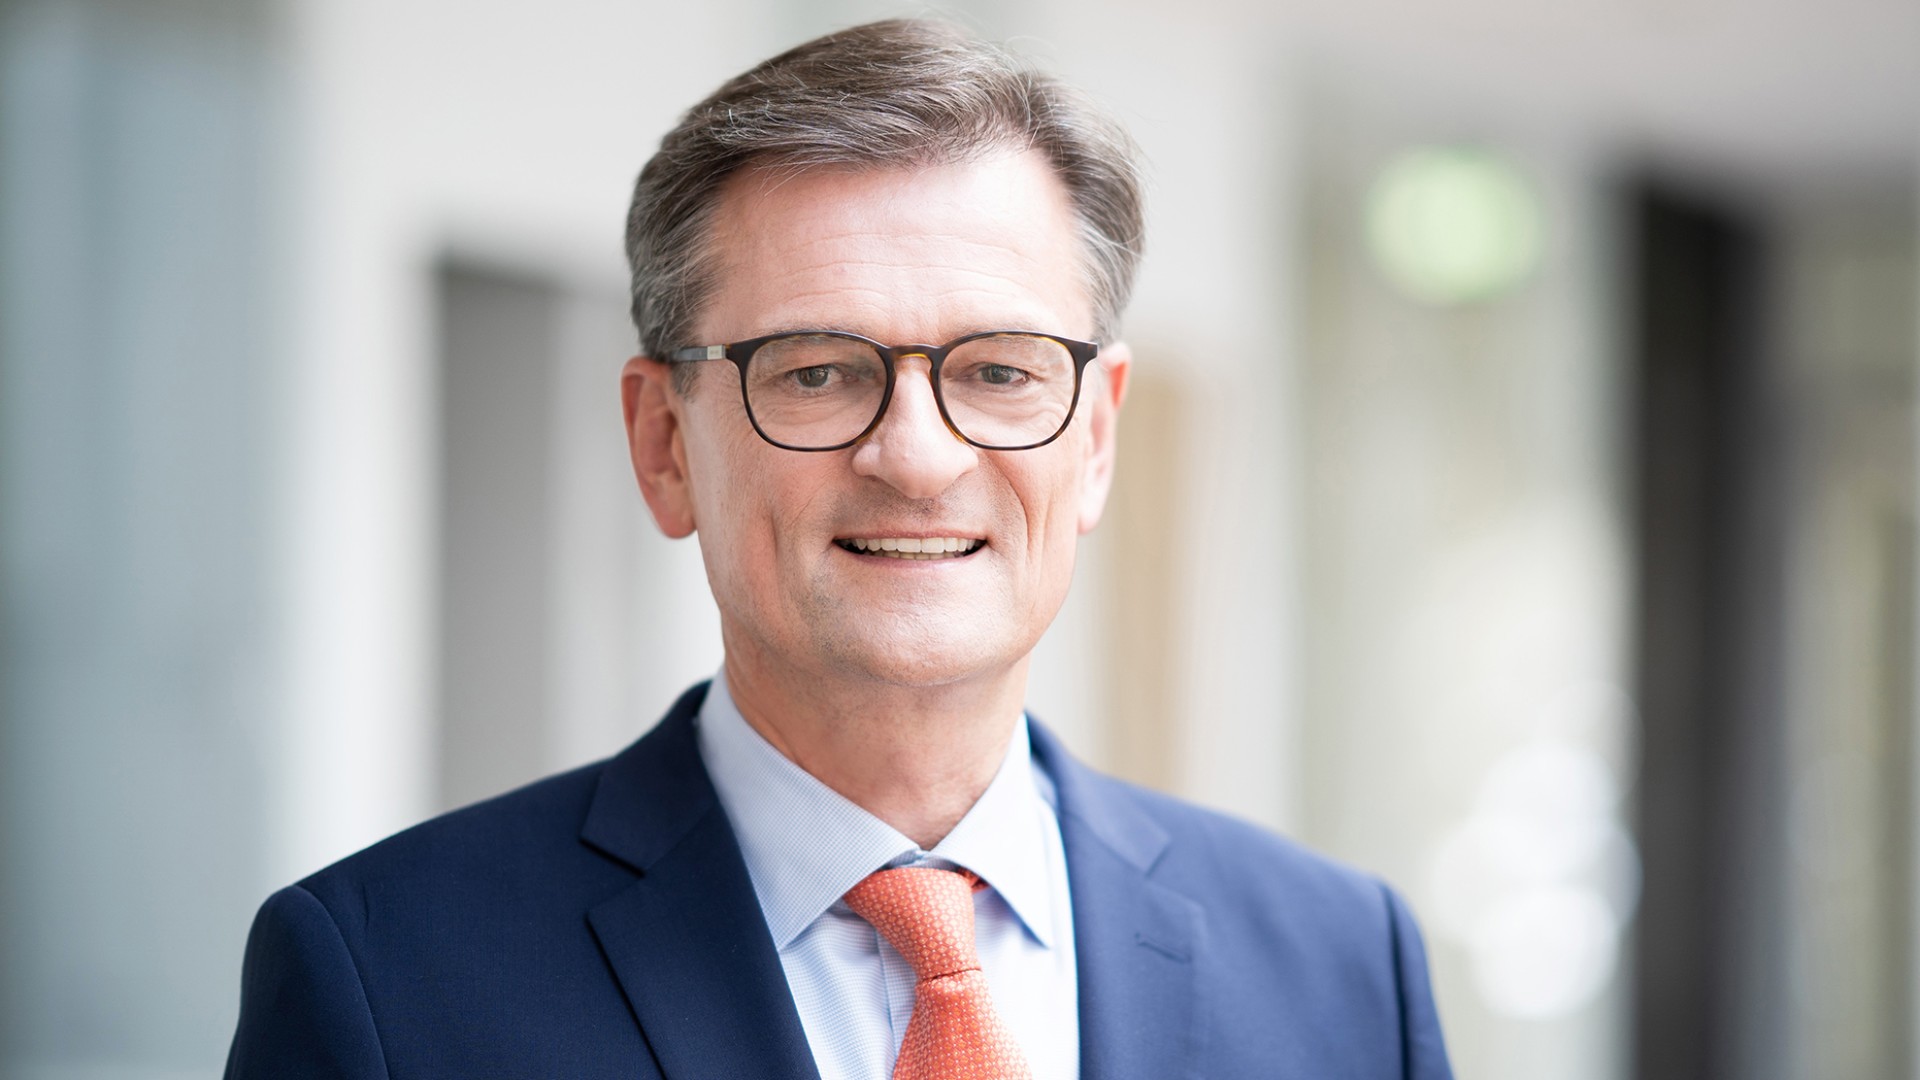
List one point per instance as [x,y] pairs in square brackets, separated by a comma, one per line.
[890,94]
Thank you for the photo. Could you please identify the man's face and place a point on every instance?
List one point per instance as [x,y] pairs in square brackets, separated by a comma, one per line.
[908,256]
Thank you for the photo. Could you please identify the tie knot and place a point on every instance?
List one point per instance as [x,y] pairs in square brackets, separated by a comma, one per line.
[926,914]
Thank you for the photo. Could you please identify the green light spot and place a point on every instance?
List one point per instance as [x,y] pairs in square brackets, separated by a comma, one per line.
[1450,226]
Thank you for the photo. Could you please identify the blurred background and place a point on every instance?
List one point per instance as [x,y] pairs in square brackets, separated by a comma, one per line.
[1517,496]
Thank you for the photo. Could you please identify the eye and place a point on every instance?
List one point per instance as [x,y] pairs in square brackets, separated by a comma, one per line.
[813,378]
[1001,374]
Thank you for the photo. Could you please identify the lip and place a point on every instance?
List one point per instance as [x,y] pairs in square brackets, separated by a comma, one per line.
[918,533]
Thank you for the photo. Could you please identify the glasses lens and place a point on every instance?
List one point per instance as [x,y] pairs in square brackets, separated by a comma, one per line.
[814,390]
[1008,390]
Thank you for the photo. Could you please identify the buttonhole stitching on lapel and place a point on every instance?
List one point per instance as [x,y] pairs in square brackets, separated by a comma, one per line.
[1169,951]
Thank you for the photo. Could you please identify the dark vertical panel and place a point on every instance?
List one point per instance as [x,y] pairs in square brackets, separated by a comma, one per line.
[1709,509]
[496,362]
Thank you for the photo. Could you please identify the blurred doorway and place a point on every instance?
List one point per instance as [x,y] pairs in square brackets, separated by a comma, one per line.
[565,622]
[1707,440]
[1772,351]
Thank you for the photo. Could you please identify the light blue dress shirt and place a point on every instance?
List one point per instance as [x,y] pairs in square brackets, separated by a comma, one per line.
[805,846]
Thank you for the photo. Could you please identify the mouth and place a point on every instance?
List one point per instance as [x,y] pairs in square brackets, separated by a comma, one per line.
[912,547]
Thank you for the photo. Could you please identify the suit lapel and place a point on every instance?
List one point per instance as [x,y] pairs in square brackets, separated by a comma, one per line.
[1138,942]
[687,941]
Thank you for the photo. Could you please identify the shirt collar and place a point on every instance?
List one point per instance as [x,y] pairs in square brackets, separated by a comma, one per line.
[805,844]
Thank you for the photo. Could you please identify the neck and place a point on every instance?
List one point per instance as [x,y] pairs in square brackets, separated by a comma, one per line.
[916,757]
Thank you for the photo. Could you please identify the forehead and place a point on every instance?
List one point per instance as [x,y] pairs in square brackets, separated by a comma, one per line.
[916,254]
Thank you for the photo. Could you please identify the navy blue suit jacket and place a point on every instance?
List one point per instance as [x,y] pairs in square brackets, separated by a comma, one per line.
[601,924]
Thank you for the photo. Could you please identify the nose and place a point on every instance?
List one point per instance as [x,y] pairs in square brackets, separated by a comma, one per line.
[912,450]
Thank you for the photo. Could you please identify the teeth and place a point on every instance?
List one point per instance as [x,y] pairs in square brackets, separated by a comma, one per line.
[913,547]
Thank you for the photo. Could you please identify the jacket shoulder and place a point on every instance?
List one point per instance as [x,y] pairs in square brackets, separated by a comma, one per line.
[521,837]
[1235,858]
[1310,937]
[1193,848]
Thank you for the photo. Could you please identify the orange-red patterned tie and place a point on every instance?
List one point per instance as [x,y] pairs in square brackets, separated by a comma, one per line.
[954,1034]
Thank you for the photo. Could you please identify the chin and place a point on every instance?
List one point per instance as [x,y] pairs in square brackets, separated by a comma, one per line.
[893,656]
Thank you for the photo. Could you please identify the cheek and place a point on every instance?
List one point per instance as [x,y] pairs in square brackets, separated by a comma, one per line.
[1055,545]
[759,502]
[1050,498]
[723,496]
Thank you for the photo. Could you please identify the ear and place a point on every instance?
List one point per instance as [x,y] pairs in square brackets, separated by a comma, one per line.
[656,444]
[1107,393]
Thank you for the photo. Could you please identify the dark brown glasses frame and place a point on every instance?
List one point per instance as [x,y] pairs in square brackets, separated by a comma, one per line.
[740,352]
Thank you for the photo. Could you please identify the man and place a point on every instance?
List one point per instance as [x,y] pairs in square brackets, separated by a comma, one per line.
[876,281]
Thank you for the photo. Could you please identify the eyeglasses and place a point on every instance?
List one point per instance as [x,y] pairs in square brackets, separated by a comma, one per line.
[826,390]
